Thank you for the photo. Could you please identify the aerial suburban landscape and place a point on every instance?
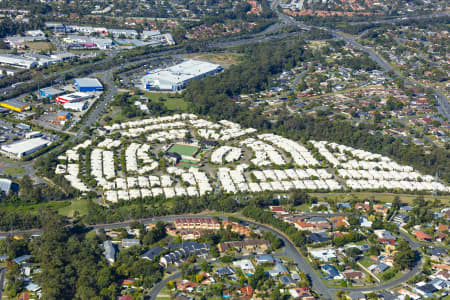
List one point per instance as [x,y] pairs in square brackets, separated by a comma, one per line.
[248,149]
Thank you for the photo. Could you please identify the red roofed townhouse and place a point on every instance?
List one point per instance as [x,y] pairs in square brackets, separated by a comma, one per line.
[197,223]
[277,209]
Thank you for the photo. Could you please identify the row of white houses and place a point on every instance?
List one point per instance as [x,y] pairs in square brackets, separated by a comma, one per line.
[358,169]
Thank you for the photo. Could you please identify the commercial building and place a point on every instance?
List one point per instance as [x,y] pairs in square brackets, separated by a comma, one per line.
[25,147]
[175,77]
[17,61]
[63,115]
[33,134]
[76,106]
[50,92]
[5,185]
[88,84]
[14,105]
[123,32]
[74,97]
[86,42]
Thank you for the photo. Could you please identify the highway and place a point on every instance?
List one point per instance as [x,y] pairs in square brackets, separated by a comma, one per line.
[444,106]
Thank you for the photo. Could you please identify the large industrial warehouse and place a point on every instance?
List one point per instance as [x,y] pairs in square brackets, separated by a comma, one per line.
[174,78]
[25,147]
[17,61]
[88,84]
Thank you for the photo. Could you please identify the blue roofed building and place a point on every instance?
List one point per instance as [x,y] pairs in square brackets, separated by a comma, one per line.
[152,253]
[21,259]
[278,269]
[265,259]
[287,281]
[224,271]
[88,85]
[50,92]
[332,272]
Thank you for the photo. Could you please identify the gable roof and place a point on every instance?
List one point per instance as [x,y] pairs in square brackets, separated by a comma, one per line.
[152,252]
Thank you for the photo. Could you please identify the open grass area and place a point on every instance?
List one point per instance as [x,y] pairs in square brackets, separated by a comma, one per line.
[366,262]
[183,150]
[171,101]
[225,59]
[164,294]
[382,197]
[40,46]
[396,276]
[36,207]
[75,205]
[14,171]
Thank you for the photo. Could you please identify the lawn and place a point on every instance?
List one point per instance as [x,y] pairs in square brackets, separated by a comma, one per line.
[183,150]
[171,101]
[13,171]
[396,276]
[164,294]
[303,207]
[40,46]
[75,205]
[36,207]
[225,59]
[366,262]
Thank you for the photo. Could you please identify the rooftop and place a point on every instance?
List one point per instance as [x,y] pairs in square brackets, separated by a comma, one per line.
[90,82]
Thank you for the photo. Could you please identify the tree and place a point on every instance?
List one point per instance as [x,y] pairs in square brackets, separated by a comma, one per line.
[15,284]
[396,203]
[275,295]
[405,257]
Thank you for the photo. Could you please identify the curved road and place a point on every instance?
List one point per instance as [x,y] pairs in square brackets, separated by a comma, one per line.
[290,250]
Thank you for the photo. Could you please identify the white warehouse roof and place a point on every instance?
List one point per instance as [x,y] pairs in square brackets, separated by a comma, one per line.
[175,77]
[88,82]
[25,147]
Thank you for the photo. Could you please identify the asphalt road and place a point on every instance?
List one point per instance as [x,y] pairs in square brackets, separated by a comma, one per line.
[297,80]
[290,251]
[2,281]
[160,285]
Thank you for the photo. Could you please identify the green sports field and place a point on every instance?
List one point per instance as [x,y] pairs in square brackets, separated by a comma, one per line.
[183,150]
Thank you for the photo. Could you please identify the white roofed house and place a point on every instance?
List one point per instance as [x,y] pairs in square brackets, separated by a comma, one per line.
[324,254]
[110,251]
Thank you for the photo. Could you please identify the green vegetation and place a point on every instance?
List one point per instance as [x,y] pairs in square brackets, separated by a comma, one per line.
[183,150]
[173,102]
[14,171]
[77,207]
[254,74]
[366,262]
[381,197]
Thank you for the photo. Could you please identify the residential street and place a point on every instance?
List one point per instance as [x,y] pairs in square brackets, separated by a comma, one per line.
[2,281]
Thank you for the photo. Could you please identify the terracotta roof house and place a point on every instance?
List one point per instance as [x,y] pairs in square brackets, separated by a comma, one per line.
[340,221]
[422,236]
[353,275]
[247,290]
